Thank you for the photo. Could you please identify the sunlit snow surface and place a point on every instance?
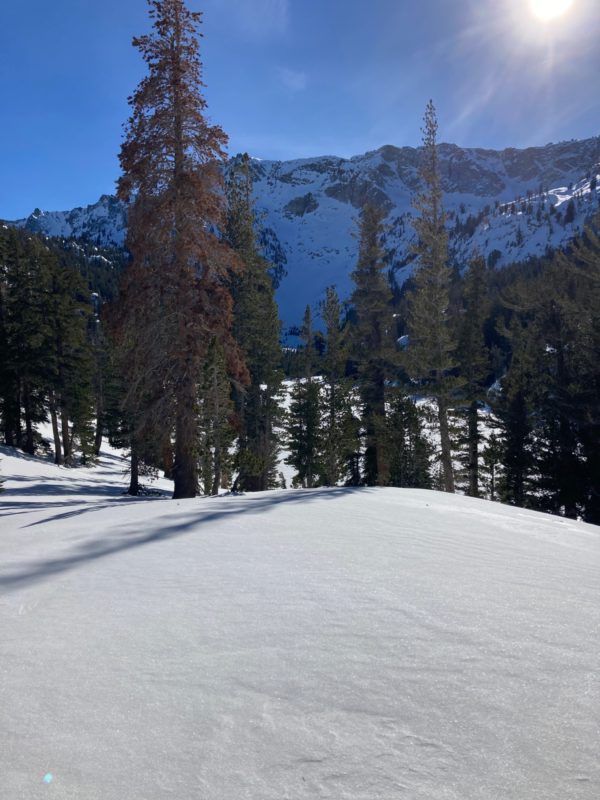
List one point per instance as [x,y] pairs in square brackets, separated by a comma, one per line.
[372,644]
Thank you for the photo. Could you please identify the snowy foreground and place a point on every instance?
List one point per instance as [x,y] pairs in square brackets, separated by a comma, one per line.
[372,644]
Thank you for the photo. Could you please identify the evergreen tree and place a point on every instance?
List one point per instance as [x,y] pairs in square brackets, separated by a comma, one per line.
[339,425]
[216,412]
[431,353]
[473,358]
[304,435]
[515,411]
[118,423]
[25,337]
[70,357]
[256,328]
[372,343]
[46,361]
[492,461]
[411,452]
[175,297]
[581,304]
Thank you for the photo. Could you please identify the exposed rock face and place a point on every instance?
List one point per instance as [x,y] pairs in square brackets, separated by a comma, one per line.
[300,206]
[508,204]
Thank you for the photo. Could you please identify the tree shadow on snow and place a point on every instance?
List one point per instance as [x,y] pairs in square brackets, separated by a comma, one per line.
[165,528]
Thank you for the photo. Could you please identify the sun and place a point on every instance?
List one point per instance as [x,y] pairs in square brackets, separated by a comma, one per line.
[547,10]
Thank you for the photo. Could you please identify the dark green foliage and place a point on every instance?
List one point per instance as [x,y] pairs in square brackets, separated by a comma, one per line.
[256,328]
[304,417]
[340,444]
[47,364]
[431,355]
[372,343]
[474,364]
[72,383]
[25,337]
[215,422]
[410,450]
[491,465]
[548,406]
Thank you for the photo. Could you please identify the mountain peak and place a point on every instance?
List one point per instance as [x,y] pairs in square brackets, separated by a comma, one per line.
[509,204]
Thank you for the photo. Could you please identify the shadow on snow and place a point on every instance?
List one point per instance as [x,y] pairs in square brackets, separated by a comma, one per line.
[130,538]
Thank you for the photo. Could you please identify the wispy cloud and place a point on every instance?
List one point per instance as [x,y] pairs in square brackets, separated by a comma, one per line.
[257,19]
[292,79]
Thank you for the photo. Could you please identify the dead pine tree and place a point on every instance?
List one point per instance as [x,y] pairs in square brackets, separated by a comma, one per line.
[174,298]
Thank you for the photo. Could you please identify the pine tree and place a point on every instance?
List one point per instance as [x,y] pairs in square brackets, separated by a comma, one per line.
[304,435]
[216,413]
[9,393]
[431,354]
[26,335]
[492,462]
[120,426]
[46,361]
[515,411]
[411,452]
[175,298]
[474,361]
[256,328]
[581,303]
[70,357]
[372,343]
[339,425]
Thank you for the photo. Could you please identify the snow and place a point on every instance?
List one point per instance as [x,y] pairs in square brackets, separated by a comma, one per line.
[318,248]
[366,644]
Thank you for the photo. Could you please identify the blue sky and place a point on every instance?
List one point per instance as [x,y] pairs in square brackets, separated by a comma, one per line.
[290,78]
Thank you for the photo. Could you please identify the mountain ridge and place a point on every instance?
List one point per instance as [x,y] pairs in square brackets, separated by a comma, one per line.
[509,205]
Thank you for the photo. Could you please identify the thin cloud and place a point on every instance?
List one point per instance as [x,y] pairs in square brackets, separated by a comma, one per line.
[258,20]
[292,79]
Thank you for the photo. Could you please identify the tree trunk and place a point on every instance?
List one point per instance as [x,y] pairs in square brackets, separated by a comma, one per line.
[377,472]
[217,470]
[99,432]
[167,458]
[58,459]
[18,429]
[446,448]
[66,437]
[11,420]
[185,469]
[134,474]
[473,440]
[29,446]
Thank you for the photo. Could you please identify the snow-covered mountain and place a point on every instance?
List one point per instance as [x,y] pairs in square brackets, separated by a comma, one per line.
[104,222]
[509,205]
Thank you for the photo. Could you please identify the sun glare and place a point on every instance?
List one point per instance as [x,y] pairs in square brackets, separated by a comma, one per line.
[547,10]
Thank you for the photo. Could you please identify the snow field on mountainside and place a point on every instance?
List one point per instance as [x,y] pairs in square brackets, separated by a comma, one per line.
[366,644]
[316,243]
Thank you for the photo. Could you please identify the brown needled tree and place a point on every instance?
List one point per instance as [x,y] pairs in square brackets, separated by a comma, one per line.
[174,299]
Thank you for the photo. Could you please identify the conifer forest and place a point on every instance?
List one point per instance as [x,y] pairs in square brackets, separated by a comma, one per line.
[464,378]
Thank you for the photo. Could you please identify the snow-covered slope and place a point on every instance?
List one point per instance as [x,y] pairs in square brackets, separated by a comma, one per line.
[508,205]
[104,222]
[364,644]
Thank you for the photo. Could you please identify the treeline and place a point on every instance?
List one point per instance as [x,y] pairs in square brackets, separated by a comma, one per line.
[486,381]
[520,381]
[522,374]
[483,381]
[50,343]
